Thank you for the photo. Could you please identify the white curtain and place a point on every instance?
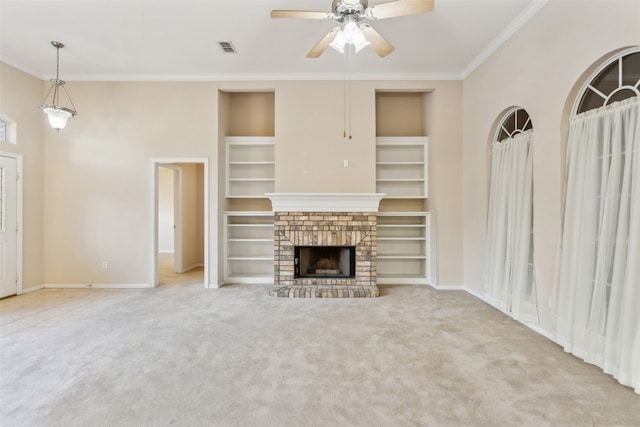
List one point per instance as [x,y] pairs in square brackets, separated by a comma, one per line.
[509,277]
[598,289]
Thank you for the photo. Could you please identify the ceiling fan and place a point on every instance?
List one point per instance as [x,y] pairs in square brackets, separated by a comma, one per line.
[350,14]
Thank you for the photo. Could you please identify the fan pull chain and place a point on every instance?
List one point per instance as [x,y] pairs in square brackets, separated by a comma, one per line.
[347,93]
[350,92]
[344,96]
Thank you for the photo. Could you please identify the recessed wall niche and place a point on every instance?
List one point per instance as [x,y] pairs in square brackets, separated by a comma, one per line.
[251,114]
[400,113]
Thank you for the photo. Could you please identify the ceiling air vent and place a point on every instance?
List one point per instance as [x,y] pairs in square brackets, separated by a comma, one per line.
[227,47]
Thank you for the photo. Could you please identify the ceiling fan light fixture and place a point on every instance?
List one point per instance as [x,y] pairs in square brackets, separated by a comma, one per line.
[339,41]
[57,114]
[349,33]
[359,41]
[350,13]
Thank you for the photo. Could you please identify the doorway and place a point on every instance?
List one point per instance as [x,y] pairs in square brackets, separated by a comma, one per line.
[169,219]
[10,218]
[180,221]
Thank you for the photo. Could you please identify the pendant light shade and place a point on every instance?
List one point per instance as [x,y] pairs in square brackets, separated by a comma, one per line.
[57,114]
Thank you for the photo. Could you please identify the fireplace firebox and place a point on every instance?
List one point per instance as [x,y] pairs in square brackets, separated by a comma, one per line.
[325,261]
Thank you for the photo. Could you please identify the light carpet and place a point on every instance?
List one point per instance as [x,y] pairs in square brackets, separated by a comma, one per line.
[182,355]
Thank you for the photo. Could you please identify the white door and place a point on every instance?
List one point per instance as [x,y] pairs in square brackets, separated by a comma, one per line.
[8,227]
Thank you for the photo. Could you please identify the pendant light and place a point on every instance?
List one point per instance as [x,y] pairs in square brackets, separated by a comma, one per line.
[57,114]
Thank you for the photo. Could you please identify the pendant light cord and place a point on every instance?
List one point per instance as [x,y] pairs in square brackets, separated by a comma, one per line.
[57,83]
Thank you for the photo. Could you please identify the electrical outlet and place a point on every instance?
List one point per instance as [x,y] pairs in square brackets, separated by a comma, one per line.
[105,265]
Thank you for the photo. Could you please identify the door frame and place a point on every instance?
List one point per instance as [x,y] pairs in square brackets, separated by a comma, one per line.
[19,215]
[156,162]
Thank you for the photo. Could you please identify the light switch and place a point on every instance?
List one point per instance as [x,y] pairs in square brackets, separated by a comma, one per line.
[345,163]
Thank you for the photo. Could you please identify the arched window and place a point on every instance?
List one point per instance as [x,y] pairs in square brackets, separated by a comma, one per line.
[616,80]
[600,245]
[509,262]
[8,130]
[515,121]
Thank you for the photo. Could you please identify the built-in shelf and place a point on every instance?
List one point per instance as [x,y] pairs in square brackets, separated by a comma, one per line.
[403,248]
[401,167]
[249,166]
[248,247]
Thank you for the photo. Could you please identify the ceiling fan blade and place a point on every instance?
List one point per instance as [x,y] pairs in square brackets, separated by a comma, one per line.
[376,41]
[399,8]
[301,14]
[323,44]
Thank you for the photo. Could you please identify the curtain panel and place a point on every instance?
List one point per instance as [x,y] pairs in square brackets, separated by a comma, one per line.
[509,277]
[598,289]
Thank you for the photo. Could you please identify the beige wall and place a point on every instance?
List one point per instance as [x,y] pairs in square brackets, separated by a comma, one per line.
[98,175]
[20,95]
[310,146]
[536,69]
[97,186]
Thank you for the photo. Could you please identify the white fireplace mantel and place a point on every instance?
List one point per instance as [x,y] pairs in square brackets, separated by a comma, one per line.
[325,202]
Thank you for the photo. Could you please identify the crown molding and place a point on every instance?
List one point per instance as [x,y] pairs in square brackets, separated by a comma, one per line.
[511,29]
[241,77]
[246,77]
[23,68]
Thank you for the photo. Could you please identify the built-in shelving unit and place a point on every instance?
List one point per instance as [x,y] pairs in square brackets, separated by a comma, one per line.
[246,171]
[403,248]
[250,166]
[248,249]
[401,167]
[404,235]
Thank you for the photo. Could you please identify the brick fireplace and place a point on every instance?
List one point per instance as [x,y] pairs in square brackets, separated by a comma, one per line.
[338,234]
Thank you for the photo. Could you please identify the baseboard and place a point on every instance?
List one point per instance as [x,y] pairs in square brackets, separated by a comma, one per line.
[448,287]
[30,289]
[192,267]
[97,286]
[477,295]
[536,328]
[399,282]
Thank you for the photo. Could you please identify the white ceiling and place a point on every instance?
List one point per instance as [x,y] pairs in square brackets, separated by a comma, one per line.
[176,39]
